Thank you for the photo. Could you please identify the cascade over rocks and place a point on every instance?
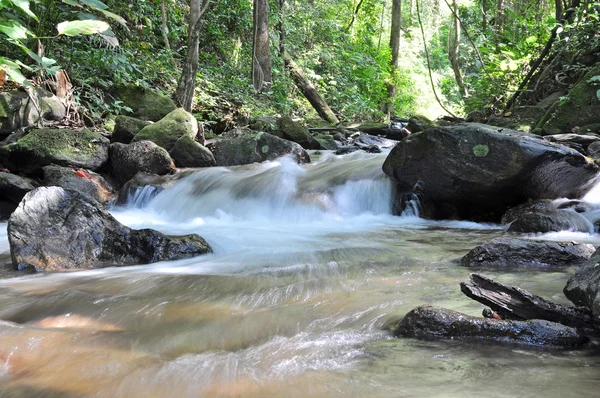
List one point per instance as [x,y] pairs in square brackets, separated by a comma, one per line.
[142,156]
[542,216]
[253,148]
[12,189]
[169,129]
[473,171]
[523,253]
[56,229]
[64,147]
[92,186]
[153,183]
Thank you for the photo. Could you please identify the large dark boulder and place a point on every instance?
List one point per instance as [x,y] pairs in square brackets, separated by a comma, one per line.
[253,148]
[583,288]
[169,129]
[431,322]
[542,216]
[522,253]
[91,185]
[55,229]
[12,189]
[65,147]
[143,156]
[188,153]
[474,171]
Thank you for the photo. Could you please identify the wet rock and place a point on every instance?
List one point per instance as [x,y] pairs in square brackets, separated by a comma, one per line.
[544,216]
[18,110]
[367,142]
[253,148]
[583,288]
[145,104]
[476,172]
[144,186]
[65,147]
[143,156]
[428,322]
[594,150]
[91,185]
[327,142]
[577,139]
[169,129]
[344,150]
[126,128]
[55,229]
[522,253]
[12,189]
[188,153]
[295,132]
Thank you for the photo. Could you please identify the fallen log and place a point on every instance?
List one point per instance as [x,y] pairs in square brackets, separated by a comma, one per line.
[515,303]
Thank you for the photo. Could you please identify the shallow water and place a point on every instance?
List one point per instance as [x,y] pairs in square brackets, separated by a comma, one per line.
[308,264]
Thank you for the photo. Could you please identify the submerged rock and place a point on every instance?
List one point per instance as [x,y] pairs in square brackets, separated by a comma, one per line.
[522,253]
[583,288]
[12,189]
[55,229]
[169,129]
[65,147]
[476,172]
[143,156]
[428,322]
[542,216]
[92,186]
[253,148]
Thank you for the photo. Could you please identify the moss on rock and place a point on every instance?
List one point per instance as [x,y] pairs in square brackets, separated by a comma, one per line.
[295,132]
[126,128]
[188,153]
[169,129]
[145,104]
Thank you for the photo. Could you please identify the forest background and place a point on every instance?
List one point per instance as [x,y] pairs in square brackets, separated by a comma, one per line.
[473,55]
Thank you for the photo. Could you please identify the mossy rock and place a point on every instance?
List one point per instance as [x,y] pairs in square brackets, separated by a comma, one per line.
[188,153]
[295,132]
[143,156]
[169,129]
[144,103]
[265,124]
[327,142]
[126,128]
[581,107]
[66,147]
[419,123]
[254,148]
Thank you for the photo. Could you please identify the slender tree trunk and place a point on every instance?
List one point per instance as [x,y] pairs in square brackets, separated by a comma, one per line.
[500,18]
[356,10]
[453,50]
[184,95]
[309,91]
[262,77]
[281,27]
[559,9]
[484,21]
[165,29]
[384,6]
[395,48]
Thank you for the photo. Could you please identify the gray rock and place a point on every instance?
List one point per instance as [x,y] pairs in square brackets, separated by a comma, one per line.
[542,216]
[255,148]
[18,110]
[188,153]
[476,172]
[143,156]
[522,253]
[55,229]
[64,147]
[93,188]
[126,128]
[366,141]
[327,142]
[583,288]
[431,322]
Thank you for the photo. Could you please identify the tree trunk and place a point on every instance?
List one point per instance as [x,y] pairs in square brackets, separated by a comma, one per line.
[395,48]
[185,88]
[351,24]
[559,9]
[484,21]
[309,91]
[514,303]
[165,29]
[281,27]
[500,18]
[262,77]
[453,50]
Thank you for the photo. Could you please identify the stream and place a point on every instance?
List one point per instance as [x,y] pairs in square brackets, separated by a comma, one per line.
[308,264]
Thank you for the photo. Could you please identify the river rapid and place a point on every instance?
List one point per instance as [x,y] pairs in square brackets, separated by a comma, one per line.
[308,264]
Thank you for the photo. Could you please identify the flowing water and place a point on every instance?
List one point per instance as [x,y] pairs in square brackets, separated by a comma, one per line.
[308,264]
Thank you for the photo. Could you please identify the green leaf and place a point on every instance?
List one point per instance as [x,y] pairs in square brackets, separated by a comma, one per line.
[14,30]
[23,5]
[116,17]
[70,2]
[86,27]
[95,4]
[594,79]
[13,70]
